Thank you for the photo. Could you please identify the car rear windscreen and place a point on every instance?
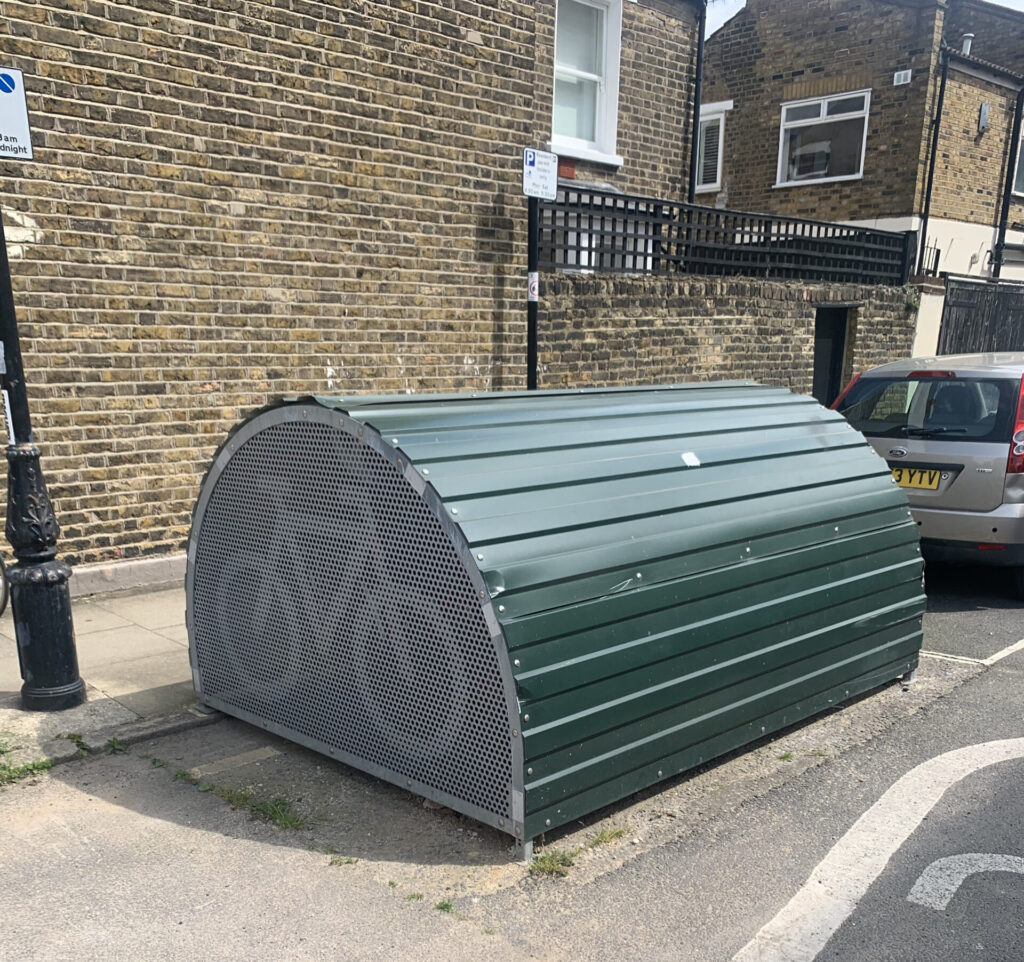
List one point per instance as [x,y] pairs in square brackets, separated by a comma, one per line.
[950,408]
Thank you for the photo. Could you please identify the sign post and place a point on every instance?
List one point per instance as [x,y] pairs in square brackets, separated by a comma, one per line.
[540,182]
[40,600]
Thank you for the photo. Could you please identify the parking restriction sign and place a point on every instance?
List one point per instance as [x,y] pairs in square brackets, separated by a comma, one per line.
[15,137]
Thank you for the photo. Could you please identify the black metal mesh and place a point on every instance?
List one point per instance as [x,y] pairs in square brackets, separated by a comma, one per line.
[328,601]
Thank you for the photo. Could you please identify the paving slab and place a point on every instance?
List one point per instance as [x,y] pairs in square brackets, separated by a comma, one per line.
[148,609]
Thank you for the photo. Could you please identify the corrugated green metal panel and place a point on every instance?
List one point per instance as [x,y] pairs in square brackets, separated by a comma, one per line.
[676,571]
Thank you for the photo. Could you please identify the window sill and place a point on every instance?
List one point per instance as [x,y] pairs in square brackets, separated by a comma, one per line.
[708,189]
[585,153]
[819,180]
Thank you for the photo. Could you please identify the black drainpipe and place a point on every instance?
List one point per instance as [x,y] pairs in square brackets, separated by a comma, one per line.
[698,86]
[1011,173]
[936,123]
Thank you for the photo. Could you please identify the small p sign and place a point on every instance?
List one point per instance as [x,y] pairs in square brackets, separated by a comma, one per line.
[540,174]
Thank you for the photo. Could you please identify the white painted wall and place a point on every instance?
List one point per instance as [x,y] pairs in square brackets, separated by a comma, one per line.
[929,320]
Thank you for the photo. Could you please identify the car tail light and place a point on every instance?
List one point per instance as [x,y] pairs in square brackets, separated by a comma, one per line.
[1015,462]
[834,406]
[917,375]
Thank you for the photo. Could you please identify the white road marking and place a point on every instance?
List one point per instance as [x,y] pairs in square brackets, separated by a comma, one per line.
[942,656]
[941,880]
[987,662]
[1000,655]
[799,932]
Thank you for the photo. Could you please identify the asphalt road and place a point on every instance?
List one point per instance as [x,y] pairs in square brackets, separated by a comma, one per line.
[766,867]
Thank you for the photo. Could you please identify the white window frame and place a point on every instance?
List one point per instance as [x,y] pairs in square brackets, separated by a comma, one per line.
[602,149]
[1020,168]
[780,173]
[708,113]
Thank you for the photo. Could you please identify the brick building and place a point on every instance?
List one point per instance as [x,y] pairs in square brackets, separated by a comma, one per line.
[828,108]
[230,202]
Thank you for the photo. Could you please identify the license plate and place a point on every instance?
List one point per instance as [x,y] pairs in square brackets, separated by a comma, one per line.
[925,478]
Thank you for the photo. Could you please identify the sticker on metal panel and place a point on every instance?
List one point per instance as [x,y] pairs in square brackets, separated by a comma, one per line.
[533,291]
[9,417]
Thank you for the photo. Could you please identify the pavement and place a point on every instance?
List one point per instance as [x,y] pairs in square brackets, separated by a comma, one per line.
[132,654]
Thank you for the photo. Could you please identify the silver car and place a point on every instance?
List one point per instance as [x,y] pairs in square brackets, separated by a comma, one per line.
[952,431]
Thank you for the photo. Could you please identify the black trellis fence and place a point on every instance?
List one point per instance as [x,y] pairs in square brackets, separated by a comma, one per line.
[602,231]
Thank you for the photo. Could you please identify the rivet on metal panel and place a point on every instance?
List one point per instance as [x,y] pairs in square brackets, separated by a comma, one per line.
[748,550]
[516,663]
[394,440]
[399,462]
[515,732]
[529,771]
[360,432]
[426,471]
[479,557]
[481,594]
[638,576]
[659,773]
[547,822]
[526,717]
[501,607]
[501,823]
[837,527]
[455,510]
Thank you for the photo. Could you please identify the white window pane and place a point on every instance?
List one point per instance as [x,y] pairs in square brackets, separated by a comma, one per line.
[708,150]
[825,150]
[579,37]
[848,105]
[575,108]
[803,112]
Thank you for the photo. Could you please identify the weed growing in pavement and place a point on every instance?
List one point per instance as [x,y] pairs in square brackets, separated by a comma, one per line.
[605,836]
[278,810]
[445,905]
[414,897]
[554,861]
[158,763]
[15,773]
[115,746]
[786,757]
[392,884]
[343,860]
[77,740]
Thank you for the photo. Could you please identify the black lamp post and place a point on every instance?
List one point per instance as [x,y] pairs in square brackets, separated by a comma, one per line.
[40,600]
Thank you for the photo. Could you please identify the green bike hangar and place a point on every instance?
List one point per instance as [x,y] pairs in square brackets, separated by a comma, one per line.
[527,606]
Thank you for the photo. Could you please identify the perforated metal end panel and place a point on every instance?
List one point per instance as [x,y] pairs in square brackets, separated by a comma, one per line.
[328,603]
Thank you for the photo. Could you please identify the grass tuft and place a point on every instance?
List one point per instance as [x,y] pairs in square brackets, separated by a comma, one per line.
[605,836]
[115,746]
[445,905]
[553,861]
[786,757]
[414,897]
[343,860]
